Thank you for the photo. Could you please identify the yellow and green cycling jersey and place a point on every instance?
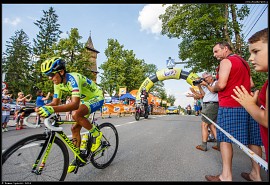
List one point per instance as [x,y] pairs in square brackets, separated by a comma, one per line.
[79,86]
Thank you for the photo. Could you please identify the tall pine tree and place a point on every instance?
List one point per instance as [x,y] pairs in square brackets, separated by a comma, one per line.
[17,64]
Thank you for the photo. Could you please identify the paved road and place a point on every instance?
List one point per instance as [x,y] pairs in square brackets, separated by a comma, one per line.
[161,148]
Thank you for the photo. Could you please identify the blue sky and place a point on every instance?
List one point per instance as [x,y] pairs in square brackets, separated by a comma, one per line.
[135,26]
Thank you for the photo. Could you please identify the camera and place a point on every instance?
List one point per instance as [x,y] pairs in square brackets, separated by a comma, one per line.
[197,82]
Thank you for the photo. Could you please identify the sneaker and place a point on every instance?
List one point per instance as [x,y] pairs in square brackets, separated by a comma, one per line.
[38,126]
[5,129]
[18,128]
[72,166]
[96,142]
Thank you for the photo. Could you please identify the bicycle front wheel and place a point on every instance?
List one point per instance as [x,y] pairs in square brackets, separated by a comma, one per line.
[109,145]
[19,159]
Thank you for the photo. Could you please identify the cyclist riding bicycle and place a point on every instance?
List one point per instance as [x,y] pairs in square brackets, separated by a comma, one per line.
[86,98]
[144,99]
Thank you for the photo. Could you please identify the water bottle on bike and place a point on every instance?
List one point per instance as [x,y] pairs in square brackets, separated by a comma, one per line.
[84,142]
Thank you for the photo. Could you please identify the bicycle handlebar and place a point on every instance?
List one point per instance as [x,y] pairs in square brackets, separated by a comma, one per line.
[47,122]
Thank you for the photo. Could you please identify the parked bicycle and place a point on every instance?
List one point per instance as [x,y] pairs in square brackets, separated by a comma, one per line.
[45,157]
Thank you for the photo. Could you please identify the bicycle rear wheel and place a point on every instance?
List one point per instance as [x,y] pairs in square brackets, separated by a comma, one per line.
[109,145]
[18,160]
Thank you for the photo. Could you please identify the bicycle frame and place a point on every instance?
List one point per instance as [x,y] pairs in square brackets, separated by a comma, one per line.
[49,143]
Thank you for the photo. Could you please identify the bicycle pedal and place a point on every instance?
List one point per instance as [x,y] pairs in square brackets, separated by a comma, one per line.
[82,164]
[76,169]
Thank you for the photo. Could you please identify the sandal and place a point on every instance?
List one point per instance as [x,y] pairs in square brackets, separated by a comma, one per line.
[216,148]
[199,147]
[246,176]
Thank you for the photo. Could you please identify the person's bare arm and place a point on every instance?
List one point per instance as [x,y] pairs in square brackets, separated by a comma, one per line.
[200,89]
[21,99]
[224,72]
[47,97]
[28,99]
[190,95]
[249,103]
[196,94]
[73,105]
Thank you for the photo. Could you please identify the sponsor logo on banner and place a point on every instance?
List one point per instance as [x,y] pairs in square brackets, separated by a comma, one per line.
[116,109]
[169,73]
[105,109]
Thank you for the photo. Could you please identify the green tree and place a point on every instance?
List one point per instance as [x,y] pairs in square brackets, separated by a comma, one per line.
[162,95]
[171,99]
[17,64]
[111,78]
[120,69]
[49,32]
[75,54]
[133,70]
[44,45]
[200,26]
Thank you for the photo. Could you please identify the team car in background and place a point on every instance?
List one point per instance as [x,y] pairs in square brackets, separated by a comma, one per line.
[172,110]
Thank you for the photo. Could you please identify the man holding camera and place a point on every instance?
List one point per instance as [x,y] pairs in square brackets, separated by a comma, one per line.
[209,108]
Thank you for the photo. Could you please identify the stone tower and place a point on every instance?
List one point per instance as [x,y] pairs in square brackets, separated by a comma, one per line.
[93,57]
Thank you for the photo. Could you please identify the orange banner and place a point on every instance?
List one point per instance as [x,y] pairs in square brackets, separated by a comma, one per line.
[117,109]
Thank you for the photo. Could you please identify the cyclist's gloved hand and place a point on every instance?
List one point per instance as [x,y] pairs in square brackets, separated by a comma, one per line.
[45,111]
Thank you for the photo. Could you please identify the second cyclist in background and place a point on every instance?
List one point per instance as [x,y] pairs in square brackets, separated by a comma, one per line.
[144,99]
[86,98]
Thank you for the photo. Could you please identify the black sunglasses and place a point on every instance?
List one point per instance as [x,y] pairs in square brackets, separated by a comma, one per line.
[52,74]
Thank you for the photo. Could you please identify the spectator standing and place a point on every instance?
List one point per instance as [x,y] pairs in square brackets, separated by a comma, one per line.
[210,109]
[232,117]
[258,48]
[197,98]
[21,103]
[5,94]
[125,101]
[5,113]
[40,101]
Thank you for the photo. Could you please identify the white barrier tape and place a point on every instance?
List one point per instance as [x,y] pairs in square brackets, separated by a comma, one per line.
[249,152]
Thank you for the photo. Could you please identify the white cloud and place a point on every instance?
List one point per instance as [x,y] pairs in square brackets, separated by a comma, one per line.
[13,22]
[148,18]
